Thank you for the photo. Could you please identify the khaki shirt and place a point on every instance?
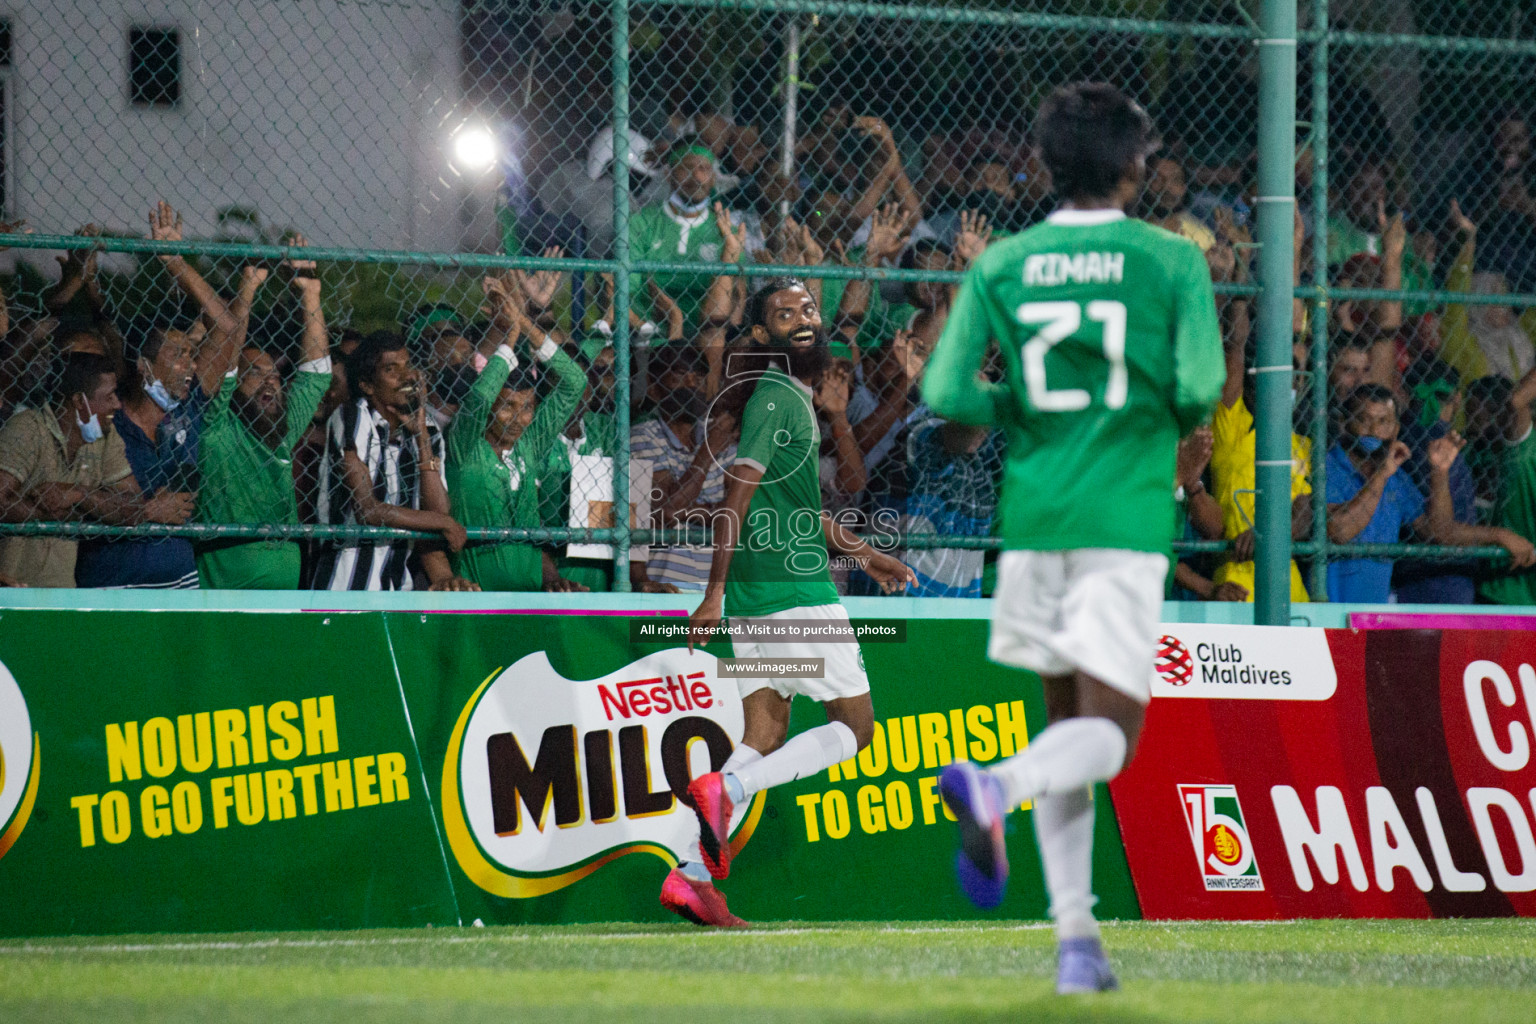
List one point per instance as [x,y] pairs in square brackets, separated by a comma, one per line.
[34,451]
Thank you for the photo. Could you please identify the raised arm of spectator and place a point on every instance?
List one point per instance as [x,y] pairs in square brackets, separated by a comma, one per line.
[1388,316]
[252,277]
[892,176]
[807,252]
[314,342]
[539,288]
[1194,454]
[1439,522]
[831,400]
[555,409]
[77,273]
[887,235]
[1520,408]
[901,367]
[217,353]
[971,241]
[719,304]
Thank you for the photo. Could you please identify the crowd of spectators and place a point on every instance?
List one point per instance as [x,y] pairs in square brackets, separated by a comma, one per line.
[494,415]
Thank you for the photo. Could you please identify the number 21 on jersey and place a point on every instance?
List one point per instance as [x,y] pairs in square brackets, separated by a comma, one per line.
[1058,321]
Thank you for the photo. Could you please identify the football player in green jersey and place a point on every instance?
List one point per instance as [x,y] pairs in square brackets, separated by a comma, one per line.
[1111,352]
[770,568]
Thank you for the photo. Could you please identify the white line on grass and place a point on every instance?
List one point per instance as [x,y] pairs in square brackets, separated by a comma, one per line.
[401,940]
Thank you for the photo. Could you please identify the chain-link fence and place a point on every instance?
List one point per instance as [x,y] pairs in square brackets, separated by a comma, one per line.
[296,373]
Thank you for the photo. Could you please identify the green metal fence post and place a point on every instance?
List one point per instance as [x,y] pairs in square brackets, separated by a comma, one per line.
[620,9]
[1319,359]
[1276,206]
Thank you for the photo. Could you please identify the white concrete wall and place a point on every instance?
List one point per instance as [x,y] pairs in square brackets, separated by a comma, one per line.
[328,116]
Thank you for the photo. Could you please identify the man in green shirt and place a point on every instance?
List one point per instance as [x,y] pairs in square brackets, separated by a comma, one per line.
[679,229]
[1517,495]
[770,571]
[498,442]
[1111,351]
[589,432]
[246,455]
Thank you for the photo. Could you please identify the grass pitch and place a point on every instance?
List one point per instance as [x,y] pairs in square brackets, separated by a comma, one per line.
[1345,971]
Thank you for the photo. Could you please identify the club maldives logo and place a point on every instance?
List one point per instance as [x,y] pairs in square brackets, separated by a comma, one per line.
[547,779]
[20,760]
[1173,661]
[1215,819]
[1243,663]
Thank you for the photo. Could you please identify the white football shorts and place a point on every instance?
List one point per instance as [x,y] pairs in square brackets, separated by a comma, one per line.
[843,674]
[1091,610]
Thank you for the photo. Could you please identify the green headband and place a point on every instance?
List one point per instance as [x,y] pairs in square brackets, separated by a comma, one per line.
[419,325]
[840,349]
[696,149]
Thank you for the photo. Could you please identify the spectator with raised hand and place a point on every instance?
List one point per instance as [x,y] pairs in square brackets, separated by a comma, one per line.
[723,302]
[383,466]
[501,438]
[1371,499]
[1481,340]
[884,176]
[170,377]
[79,285]
[1515,511]
[246,456]
[65,462]
[860,310]
[680,229]
[1234,475]
[688,447]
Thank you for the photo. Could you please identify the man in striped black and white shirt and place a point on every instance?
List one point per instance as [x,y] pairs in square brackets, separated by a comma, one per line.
[383,466]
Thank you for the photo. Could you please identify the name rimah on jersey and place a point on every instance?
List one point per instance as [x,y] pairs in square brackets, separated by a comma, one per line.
[1054,268]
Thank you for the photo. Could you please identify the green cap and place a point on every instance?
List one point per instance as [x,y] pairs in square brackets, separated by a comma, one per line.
[840,349]
[421,321]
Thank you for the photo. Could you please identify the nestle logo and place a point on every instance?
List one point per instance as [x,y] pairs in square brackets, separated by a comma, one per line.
[1173,661]
[639,698]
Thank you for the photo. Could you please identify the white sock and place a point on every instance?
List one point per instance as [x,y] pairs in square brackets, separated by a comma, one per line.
[1064,833]
[1068,755]
[810,752]
[742,756]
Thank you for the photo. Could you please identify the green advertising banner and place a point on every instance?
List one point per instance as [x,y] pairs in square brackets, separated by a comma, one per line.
[202,771]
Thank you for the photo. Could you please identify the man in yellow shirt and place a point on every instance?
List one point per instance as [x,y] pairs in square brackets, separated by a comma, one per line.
[1234,477]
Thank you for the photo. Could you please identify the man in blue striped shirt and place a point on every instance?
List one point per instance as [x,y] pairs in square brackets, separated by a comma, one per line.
[688,448]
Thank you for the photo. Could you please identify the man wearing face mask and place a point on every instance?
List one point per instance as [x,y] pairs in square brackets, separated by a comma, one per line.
[65,463]
[680,229]
[1371,498]
[688,449]
[171,375]
[500,438]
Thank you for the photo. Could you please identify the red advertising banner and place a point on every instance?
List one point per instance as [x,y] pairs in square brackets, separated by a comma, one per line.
[1289,773]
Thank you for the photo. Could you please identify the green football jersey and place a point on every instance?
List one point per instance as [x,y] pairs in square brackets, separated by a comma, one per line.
[657,233]
[249,479]
[781,554]
[1111,352]
[1516,511]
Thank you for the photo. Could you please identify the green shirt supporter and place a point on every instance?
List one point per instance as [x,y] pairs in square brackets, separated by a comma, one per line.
[781,556]
[881,321]
[1345,239]
[555,494]
[1112,350]
[657,232]
[246,479]
[491,488]
[1517,511]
